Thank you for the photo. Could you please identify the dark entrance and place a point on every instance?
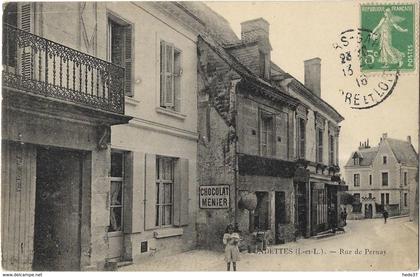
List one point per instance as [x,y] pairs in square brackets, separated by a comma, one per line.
[280,216]
[301,211]
[332,206]
[57,210]
[368,210]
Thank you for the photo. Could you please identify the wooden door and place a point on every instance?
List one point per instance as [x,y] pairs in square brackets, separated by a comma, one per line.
[57,214]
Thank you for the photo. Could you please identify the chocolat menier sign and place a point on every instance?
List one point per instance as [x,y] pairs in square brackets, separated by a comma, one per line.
[214,197]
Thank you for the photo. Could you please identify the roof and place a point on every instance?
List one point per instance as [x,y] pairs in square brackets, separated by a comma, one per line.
[367,156]
[217,26]
[403,151]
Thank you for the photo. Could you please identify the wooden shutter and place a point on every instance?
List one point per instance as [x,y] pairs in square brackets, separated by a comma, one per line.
[134,175]
[181,193]
[281,132]
[150,193]
[128,60]
[177,80]
[26,23]
[167,74]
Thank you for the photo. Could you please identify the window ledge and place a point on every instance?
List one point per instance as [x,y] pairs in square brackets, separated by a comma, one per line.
[131,101]
[174,114]
[168,232]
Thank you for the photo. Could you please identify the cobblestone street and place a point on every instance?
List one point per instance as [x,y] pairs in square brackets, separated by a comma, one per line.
[382,247]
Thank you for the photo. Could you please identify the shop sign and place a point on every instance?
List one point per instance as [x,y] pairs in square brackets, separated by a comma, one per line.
[214,197]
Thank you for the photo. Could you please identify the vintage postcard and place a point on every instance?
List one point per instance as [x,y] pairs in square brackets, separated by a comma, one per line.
[210,136]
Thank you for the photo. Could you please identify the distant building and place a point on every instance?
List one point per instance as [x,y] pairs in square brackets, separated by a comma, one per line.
[383,176]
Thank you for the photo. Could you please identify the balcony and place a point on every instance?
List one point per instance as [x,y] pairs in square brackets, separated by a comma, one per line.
[41,67]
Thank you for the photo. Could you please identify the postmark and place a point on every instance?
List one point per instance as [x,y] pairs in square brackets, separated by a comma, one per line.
[392,44]
[361,90]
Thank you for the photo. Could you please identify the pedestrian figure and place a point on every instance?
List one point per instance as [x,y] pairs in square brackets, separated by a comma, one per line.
[385,214]
[333,219]
[231,240]
[344,216]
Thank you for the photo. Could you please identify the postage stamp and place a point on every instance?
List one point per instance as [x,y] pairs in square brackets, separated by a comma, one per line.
[391,44]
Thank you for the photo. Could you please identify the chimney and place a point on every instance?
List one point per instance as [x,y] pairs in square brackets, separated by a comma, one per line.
[255,30]
[409,139]
[313,75]
[384,135]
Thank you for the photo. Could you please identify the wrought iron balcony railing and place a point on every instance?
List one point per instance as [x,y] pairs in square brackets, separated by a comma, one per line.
[39,66]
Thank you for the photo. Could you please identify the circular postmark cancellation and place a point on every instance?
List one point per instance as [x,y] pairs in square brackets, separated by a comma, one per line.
[373,57]
[362,90]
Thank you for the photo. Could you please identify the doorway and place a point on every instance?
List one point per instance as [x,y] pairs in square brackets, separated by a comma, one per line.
[57,210]
[301,211]
[368,210]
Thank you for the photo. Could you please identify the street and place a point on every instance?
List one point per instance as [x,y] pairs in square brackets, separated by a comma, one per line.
[366,245]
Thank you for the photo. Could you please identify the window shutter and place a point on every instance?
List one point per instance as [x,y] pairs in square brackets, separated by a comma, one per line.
[128,60]
[281,131]
[181,193]
[177,81]
[117,43]
[26,24]
[150,193]
[169,76]
[162,72]
[133,202]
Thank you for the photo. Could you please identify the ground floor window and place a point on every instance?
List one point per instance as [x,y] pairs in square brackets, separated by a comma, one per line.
[261,221]
[164,190]
[405,200]
[116,192]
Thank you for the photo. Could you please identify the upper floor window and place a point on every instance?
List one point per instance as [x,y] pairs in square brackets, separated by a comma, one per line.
[331,149]
[120,49]
[384,178]
[319,149]
[266,134]
[405,178]
[356,180]
[370,179]
[170,76]
[384,159]
[301,138]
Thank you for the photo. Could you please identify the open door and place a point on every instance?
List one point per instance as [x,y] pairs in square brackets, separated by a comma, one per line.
[57,210]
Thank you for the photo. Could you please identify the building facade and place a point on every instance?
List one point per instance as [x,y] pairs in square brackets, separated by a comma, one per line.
[268,138]
[84,195]
[383,176]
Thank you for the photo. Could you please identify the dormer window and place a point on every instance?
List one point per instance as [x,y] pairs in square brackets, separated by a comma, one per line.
[384,159]
[356,161]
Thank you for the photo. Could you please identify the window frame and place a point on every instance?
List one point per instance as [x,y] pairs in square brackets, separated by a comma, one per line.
[405,178]
[387,178]
[265,115]
[356,184]
[405,199]
[319,145]
[331,149]
[121,180]
[370,179]
[175,75]
[160,192]
[301,139]
[384,159]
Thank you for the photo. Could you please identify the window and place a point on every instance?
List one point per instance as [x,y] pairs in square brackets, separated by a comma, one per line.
[164,191]
[405,178]
[116,193]
[170,76]
[120,49]
[319,151]
[331,149]
[370,195]
[301,138]
[387,198]
[405,200]
[261,211]
[382,199]
[356,180]
[266,134]
[384,159]
[356,161]
[356,197]
[370,179]
[10,17]
[384,178]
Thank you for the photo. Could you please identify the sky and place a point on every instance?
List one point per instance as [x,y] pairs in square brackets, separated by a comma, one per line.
[304,30]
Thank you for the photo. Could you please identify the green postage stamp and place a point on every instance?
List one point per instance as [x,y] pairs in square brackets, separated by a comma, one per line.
[391,44]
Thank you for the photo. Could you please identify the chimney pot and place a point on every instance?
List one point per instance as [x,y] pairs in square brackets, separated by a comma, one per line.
[313,75]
